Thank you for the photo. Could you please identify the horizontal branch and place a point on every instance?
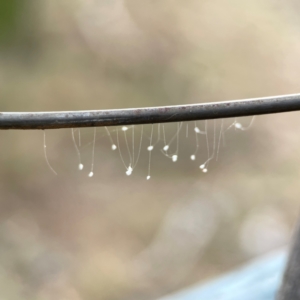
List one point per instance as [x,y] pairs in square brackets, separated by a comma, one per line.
[149,115]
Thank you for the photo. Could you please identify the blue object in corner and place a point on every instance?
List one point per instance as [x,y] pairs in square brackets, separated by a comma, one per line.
[258,280]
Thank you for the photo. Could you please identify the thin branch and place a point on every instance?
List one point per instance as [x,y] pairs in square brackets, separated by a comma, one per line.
[290,289]
[149,115]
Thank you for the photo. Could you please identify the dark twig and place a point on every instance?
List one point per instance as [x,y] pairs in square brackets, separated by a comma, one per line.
[290,287]
[149,115]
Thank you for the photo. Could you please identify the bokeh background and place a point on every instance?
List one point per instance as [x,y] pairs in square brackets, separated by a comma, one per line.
[114,236]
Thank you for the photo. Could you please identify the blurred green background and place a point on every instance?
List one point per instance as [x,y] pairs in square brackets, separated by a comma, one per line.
[114,236]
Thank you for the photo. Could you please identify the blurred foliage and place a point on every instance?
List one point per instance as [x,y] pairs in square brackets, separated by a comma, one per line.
[18,30]
[9,18]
